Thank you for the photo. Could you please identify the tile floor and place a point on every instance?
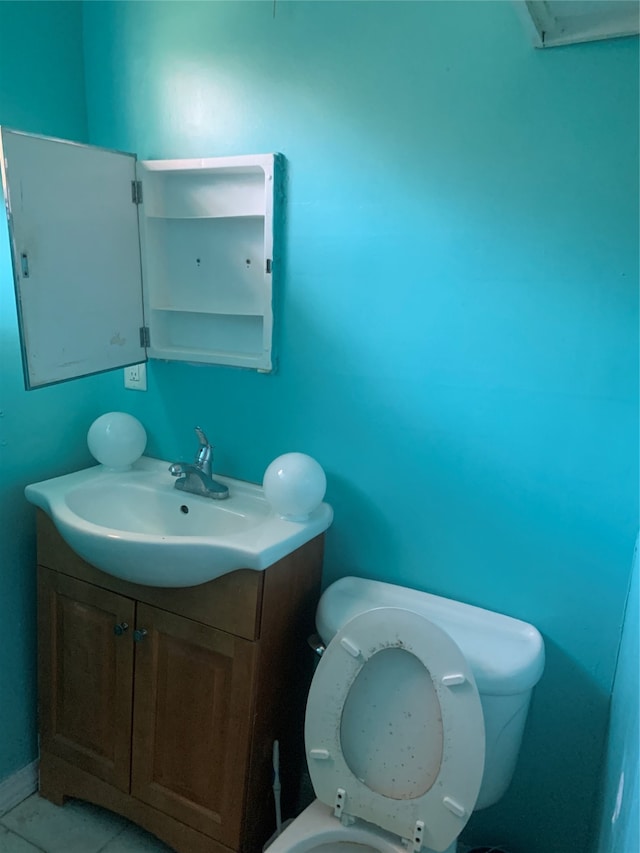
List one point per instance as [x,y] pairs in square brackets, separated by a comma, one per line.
[37,826]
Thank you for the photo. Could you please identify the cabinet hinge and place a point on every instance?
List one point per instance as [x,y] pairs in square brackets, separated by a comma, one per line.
[145,338]
[136,192]
[268,265]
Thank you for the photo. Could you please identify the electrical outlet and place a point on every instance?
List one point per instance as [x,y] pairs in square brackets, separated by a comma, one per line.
[135,377]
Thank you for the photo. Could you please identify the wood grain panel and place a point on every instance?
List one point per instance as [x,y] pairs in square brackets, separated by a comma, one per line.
[192,720]
[58,779]
[86,676]
[291,592]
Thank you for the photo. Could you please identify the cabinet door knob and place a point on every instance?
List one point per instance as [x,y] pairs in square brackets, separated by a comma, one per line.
[120,628]
[139,634]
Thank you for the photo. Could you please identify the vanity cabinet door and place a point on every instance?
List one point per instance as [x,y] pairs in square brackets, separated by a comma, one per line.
[192,722]
[86,672]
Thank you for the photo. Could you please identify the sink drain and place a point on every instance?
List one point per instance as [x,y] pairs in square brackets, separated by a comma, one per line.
[184,508]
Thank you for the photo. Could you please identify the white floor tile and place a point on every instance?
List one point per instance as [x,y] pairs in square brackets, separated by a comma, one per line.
[10,843]
[76,827]
[135,840]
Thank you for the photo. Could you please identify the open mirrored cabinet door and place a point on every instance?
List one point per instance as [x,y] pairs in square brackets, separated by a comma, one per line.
[76,256]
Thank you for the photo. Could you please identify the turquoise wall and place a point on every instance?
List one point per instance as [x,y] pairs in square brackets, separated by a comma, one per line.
[620,819]
[458,334]
[41,433]
[459,331]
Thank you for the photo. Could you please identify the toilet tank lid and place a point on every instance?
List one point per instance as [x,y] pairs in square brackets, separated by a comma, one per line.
[506,655]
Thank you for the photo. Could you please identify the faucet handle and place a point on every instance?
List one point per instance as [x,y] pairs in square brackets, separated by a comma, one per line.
[202,438]
[205,452]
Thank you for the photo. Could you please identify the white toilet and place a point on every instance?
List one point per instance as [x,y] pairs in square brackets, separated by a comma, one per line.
[414,719]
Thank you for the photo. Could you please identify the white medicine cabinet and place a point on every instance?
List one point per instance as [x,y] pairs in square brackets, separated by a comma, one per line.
[117,260]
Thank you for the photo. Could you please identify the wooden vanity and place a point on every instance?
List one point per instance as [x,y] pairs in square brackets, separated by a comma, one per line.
[163,704]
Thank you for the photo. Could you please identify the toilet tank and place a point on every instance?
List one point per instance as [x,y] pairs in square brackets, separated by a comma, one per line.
[506,657]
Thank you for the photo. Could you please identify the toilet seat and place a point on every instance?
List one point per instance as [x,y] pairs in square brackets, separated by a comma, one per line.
[316,830]
[419,698]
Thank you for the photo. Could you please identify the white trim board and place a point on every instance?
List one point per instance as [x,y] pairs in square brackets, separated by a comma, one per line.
[17,787]
[553,23]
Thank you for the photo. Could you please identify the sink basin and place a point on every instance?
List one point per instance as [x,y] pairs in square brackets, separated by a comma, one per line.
[136,526]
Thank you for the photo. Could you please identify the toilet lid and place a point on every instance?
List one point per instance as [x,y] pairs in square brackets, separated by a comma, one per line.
[394,729]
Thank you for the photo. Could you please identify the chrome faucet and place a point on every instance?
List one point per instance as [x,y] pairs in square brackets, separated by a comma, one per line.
[204,456]
[195,477]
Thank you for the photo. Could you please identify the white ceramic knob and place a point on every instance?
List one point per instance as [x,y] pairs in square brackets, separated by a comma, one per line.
[117,440]
[294,484]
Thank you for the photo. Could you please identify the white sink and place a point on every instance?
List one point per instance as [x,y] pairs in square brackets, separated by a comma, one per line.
[135,525]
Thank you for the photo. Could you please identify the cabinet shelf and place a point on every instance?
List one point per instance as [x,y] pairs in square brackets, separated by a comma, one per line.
[209,338]
[207,188]
[208,241]
[238,311]
[162,217]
